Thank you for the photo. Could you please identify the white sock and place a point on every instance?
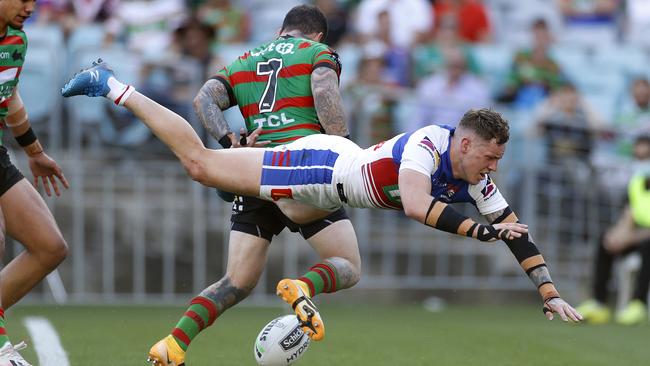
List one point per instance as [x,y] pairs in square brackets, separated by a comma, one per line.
[119,92]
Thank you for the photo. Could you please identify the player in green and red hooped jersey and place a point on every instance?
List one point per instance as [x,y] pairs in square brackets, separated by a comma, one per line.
[25,216]
[286,89]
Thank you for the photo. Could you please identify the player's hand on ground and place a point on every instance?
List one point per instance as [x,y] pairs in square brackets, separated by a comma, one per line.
[562,308]
[247,140]
[509,230]
[47,170]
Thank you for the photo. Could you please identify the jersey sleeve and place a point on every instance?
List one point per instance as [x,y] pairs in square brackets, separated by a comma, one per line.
[420,154]
[487,197]
[326,57]
[223,76]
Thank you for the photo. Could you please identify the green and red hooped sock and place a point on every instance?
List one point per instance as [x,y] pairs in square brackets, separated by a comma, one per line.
[200,315]
[322,277]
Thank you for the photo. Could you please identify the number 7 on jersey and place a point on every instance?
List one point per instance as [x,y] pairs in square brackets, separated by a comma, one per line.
[272,68]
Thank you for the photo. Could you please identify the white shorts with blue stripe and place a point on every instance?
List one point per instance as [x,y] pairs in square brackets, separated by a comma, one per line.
[305,170]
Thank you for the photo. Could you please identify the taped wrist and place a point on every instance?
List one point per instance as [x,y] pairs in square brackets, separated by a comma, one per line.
[548,292]
[441,216]
[27,138]
[546,288]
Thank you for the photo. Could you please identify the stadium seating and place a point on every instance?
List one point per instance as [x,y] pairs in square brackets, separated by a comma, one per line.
[601,86]
[39,85]
[495,61]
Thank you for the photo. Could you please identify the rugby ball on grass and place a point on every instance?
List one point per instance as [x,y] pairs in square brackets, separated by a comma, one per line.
[281,342]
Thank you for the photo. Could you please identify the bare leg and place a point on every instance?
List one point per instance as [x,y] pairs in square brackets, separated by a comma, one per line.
[30,222]
[246,260]
[337,245]
[233,170]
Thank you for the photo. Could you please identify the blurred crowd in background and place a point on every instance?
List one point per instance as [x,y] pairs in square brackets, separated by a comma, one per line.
[570,72]
[567,73]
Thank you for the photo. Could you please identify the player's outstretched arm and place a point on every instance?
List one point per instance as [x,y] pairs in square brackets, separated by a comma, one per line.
[418,204]
[532,262]
[328,101]
[42,166]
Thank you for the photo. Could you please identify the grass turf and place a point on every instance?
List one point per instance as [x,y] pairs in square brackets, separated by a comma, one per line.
[359,335]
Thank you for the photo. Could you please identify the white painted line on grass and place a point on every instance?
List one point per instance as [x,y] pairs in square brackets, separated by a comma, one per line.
[46,342]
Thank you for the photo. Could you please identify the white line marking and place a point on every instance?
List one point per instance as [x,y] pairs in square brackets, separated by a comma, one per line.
[46,342]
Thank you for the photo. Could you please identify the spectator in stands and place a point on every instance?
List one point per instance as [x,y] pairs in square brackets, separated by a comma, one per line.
[70,14]
[147,25]
[568,125]
[534,73]
[444,97]
[631,233]
[634,116]
[170,80]
[337,21]
[230,22]
[590,22]
[408,20]
[372,95]
[469,18]
[429,57]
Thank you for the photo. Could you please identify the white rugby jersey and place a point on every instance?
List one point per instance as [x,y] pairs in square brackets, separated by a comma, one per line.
[370,178]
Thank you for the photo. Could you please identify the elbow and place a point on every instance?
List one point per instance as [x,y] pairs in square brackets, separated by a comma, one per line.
[412,212]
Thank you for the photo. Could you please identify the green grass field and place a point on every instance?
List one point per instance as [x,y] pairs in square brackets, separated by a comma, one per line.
[359,335]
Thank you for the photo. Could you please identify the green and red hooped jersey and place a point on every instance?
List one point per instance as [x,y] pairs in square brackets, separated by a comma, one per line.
[13,47]
[271,85]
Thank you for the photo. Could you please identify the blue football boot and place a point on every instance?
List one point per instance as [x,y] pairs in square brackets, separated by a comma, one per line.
[92,81]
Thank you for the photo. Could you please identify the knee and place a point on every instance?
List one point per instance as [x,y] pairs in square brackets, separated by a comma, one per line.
[193,169]
[53,252]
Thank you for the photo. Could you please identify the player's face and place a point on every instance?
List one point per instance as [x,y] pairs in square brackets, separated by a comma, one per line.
[16,12]
[480,157]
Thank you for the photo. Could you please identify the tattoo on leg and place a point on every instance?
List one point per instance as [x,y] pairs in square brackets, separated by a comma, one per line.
[540,275]
[348,274]
[224,294]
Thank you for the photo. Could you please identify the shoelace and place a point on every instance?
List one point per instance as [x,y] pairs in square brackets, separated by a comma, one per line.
[20,346]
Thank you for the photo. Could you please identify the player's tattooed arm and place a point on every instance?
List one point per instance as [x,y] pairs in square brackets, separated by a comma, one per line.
[328,101]
[209,105]
[224,294]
